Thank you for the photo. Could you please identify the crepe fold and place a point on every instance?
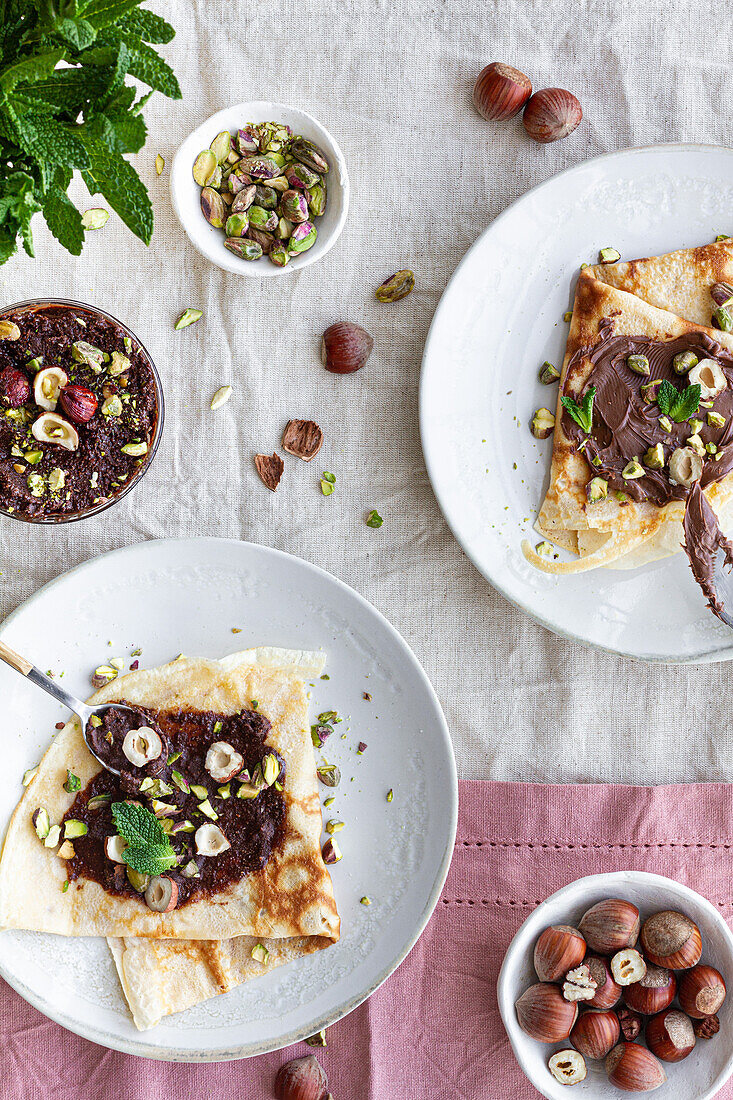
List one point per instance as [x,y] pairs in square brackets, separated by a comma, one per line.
[290,898]
[661,298]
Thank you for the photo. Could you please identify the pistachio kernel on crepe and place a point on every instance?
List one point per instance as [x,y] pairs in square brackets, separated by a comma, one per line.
[645,412]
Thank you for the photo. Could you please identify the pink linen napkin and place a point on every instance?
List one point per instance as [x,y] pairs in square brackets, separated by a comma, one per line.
[433,1029]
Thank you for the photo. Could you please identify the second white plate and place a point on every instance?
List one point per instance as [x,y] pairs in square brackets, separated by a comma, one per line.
[188,596]
[500,317]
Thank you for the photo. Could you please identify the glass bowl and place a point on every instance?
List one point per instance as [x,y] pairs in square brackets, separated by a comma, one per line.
[29,306]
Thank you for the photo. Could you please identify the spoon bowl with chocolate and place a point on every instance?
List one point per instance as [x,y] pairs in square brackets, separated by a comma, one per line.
[141,744]
[81,411]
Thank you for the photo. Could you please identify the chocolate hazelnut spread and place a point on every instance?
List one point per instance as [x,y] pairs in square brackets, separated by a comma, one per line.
[627,423]
[252,826]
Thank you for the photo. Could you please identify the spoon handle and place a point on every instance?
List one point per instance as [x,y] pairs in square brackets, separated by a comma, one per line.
[25,668]
[15,660]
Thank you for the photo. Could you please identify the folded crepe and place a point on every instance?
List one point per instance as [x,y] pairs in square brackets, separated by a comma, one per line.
[634,299]
[204,947]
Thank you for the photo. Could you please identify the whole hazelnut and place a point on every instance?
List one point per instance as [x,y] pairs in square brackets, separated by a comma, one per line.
[15,388]
[543,1014]
[607,992]
[501,91]
[345,347]
[559,948]
[670,1035]
[301,1079]
[610,925]
[633,1068]
[630,1022]
[701,991]
[653,993]
[596,1032]
[551,114]
[79,403]
[671,940]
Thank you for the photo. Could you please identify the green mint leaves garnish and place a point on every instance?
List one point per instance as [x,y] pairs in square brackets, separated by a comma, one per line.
[66,106]
[678,405]
[581,413]
[149,851]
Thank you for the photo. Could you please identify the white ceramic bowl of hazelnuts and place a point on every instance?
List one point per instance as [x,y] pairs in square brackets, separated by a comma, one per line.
[618,980]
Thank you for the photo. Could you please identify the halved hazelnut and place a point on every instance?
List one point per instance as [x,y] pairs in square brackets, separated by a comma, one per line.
[223,761]
[610,925]
[628,966]
[708,374]
[670,1035]
[161,894]
[210,840]
[302,438]
[114,846]
[47,386]
[141,746]
[559,948]
[596,1032]
[652,993]
[568,1067]
[633,1068]
[579,985]
[685,467]
[543,1013]
[270,468]
[671,940]
[49,427]
[701,991]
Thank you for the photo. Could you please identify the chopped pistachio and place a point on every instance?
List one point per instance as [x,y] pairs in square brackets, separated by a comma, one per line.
[270,769]
[135,450]
[722,237]
[73,829]
[596,460]
[188,317]
[543,424]
[695,426]
[97,801]
[260,953]
[208,810]
[190,870]
[715,420]
[199,791]
[248,790]
[33,457]
[112,406]
[72,783]
[159,164]
[29,775]
[95,219]
[66,851]
[654,457]
[390,795]
[225,791]
[317,1040]
[639,364]
[334,826]
[180,781]
[326,802]
[329,775]
[596,490]
[711,448]
[365,900]
[697,445]
[374,519]
[609,255]
[544,549]
[723,318]
[54,836]
[548,373]
[41,823]
[137,880]
[568,315]
[95,720]
[684,362]
[632,470]
[665,422]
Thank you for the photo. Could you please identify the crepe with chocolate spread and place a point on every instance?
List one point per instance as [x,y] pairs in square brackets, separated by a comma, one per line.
[607,500]
[289,897]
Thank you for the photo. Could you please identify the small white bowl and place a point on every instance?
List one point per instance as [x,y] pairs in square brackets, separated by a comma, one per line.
[186,193]
[702,1073]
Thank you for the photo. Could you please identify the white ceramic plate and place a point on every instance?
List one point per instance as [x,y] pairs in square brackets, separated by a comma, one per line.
[500,317]
[185,596]
[186,193]
[709,1066]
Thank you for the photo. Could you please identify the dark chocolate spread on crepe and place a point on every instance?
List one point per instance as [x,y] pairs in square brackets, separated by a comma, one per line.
[703,539]
[626,423]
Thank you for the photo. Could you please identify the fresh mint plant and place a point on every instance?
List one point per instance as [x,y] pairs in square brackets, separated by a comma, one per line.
[66,106]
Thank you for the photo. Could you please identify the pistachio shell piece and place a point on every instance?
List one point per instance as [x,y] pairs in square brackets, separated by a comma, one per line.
[204,168]
[396,287]
[212,207]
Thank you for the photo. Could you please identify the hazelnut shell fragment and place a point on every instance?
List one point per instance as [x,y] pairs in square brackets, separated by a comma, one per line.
[270,468]
[301,1079]
[500,91]
[707,1027]
[630,1021]
[302,438]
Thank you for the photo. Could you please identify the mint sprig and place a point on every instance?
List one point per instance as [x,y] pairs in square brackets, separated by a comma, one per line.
[66,105]
[581,413]
[678,405]
[149,850]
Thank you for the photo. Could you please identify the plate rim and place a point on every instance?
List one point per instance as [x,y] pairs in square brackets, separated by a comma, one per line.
[173,1054]
[702,656]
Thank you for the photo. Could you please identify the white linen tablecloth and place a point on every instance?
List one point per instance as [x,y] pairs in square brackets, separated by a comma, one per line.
[392,81]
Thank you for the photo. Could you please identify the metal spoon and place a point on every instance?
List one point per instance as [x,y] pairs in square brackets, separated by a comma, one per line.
[82,710]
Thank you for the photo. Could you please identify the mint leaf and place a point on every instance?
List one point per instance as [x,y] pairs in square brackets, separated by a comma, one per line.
[149,850]
[116,179]
[678,406]
[581,413]
[63,219]
[148,26]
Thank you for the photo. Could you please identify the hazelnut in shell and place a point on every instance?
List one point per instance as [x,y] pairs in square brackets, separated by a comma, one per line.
[701,991]
[610,925]
[500,91]
[652,993]
[568,1067]
[345,347]
[670,1035]
[559,948]
[596,1032]
[301,1079]
[551,114]
[608,992]
[543,1013]
[671,940]
[633,1068]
